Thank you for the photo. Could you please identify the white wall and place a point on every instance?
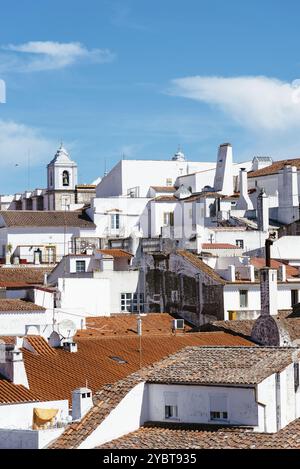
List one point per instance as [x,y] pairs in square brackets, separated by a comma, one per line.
[14,323]
[85,296]
[132,212]
[21,415]
[194,403]
[287,247]
[34,237]
[252,239]
[127,417]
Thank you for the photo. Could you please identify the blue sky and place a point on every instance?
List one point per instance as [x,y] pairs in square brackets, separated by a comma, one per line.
[138,78]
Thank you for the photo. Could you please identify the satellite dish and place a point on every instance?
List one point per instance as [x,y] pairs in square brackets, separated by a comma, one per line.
[67,329]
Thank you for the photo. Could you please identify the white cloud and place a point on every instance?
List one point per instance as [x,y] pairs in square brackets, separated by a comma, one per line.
[18,140]
[257,103]
[48,55]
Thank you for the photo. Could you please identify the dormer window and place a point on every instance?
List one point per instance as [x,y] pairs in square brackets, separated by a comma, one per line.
[66,178]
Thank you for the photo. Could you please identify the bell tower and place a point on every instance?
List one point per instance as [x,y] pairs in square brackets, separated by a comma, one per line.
[62,180]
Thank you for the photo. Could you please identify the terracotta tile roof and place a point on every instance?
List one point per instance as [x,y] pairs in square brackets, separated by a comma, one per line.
[196,262]
[219,246]
[10,305]
[109,396]
[166,198]
[244,327]
[104,402]
[23,218]
[22,276]
[221,365]
[14,393]
[126,324]
[39,345]
[164,188]
[55,376]
[163,436]
[116,252]
[260,262]
[274,168]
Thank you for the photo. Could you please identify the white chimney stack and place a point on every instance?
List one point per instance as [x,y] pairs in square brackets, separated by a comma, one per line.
[82,402]
[288,200]
[244,202]
[223,182]
[12,365]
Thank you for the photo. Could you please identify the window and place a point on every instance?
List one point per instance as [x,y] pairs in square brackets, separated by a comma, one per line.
[190,213]
[218,407]
[168,219]
[132,302]
[171,411]
[239,243]
[243,298]
[115,221]
[80,266]
[66,178]
[51,179]
[218,415]
[294,297]
[169,182]
[174,296]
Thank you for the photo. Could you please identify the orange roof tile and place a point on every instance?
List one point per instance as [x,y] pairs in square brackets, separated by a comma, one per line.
[219,246]
[11,305]
[116,252]
[274,168]
[40,345]
[56,376]
[10,393]
[260,262]
[126,324]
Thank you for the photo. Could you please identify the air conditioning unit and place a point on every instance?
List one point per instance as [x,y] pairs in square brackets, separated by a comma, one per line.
[178,324]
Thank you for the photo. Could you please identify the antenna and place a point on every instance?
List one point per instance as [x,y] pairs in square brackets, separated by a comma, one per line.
[28,169]
[105,168]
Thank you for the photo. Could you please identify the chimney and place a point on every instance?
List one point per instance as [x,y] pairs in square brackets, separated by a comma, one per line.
[223,182]
[231,273]
[244,202]
[268,245]
[69,345]
[288,199]
[45,279]
[12,364]
[82,402]
[263,211]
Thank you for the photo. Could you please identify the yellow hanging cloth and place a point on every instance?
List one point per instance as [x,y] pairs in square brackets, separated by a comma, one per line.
[43,416]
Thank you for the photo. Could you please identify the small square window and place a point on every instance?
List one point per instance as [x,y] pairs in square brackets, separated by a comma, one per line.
[239,243]
[80,266]
[218,415]
[171,411]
